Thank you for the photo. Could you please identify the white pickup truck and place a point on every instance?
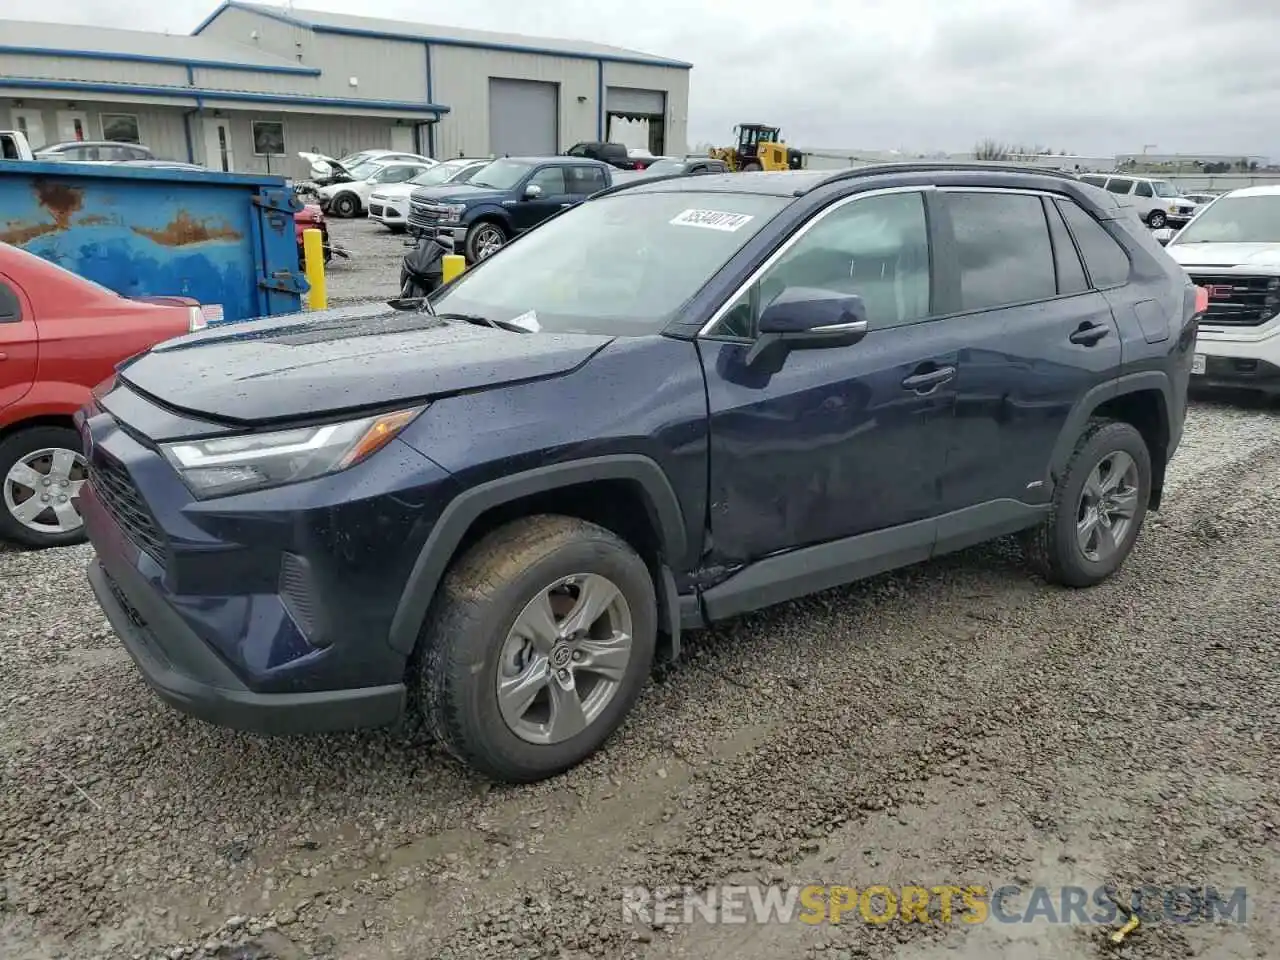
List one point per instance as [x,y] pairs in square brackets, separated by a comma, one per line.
[14,146]
[1232,248]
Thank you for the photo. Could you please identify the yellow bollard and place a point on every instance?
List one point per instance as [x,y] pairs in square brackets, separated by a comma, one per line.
[451,266]
[313,253]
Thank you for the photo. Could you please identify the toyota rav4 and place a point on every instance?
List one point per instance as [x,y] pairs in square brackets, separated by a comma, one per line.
[678,401]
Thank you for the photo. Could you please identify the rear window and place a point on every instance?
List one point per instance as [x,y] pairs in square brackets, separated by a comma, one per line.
[1105,259]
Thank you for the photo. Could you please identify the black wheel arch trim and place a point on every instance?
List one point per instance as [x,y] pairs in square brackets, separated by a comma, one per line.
[1087,405]
[468,506]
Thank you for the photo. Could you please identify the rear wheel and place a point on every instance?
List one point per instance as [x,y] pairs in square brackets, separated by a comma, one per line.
[345,205]
[536,647]
[1098,508]
[41,472]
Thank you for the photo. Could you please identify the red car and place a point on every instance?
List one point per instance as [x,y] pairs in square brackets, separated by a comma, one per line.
[60,335]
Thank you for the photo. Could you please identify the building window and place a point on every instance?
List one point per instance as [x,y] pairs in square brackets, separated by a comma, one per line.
[120,127]
[268,138]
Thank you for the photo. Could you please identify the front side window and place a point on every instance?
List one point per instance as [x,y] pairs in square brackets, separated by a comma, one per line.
[578,150]
[1003,249]
[550,180]
[1143,189]
[1106,260]
[1241,219]
[1164,189]
[621,265]
[875,247]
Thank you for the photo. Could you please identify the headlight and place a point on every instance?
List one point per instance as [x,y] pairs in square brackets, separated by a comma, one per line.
[452,211]
[223,465]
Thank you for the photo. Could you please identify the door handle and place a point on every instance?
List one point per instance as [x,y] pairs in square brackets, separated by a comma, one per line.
[1088,334]
[929,380]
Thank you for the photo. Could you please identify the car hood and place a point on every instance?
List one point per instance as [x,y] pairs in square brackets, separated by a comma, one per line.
[458,193]
[349,358]
[323,167]
[397,190]
[1226,254]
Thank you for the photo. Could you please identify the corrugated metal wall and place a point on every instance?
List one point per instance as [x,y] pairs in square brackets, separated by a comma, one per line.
[332,135]
[461,81]
[159,128]
[78,68]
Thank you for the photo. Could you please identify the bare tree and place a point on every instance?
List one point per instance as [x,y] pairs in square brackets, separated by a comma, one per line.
[990,150]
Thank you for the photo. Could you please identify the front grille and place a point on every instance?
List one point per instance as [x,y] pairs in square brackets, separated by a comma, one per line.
[1186,211]
[116,489]
[1239,301]
[425,215]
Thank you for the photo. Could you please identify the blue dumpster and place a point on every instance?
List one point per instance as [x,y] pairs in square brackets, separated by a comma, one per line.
[225,239]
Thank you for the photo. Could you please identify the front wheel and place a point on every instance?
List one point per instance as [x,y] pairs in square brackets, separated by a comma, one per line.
[484,239]
[536,647]
[751,166]
[1156,220]
[1098,507]
[41,472]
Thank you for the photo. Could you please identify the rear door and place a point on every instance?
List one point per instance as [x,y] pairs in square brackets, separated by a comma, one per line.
[18,343]
[1037,337]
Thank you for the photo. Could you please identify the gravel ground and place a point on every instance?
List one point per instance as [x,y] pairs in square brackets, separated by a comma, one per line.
[959,722]
[373,270]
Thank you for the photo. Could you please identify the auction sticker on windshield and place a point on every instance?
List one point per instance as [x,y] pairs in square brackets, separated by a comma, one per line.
[712,220]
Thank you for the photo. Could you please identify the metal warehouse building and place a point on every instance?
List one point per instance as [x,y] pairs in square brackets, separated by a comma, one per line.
[254,84]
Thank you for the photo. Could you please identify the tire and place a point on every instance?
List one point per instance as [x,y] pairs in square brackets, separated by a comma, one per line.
[1054,548]
[396,227]
[1156,219]
[466,643]
[345,205]
[36,448]
[751,166]
[479,236]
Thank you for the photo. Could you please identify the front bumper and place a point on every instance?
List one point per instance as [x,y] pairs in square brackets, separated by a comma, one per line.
[188,676]
[1239,359]
[389,212]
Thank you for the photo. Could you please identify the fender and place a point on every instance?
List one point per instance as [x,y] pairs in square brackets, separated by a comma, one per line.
[466,508]
[489,210]
[1084,409]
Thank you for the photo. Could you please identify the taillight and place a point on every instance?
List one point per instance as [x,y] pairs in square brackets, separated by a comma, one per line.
[1202,300]
[196,319]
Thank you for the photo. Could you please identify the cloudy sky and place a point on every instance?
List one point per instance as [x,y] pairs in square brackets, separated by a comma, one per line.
[1094,77]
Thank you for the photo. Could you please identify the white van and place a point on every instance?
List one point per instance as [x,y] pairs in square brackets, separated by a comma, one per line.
[1158,202]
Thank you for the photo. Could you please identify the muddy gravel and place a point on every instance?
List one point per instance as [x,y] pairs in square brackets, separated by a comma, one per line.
[956,723]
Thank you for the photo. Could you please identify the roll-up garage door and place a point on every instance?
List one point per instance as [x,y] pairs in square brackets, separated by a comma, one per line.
[523,118]
[631,100]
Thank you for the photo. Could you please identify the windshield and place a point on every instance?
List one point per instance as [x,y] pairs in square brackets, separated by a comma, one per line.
[501,174]
[365,170]
[1253,219]
[1163,188]
[659,167]
[622,265]
[440,173]
[354,158]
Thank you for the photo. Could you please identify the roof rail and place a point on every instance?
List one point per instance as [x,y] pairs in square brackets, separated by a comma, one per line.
[939,166]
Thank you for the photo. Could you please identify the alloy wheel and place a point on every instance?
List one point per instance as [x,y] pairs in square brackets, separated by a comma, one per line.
[1108,505]
[564,658]
[488,241]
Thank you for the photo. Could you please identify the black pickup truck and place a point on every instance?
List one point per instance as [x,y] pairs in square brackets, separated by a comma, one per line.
[614,154]
[502,200]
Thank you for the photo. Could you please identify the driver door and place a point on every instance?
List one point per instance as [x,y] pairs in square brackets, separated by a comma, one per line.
[828,443]
[528,212]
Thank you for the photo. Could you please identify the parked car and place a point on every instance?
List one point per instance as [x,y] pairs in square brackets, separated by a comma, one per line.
[14,146]
[614,154]
[674,403]
[350,198]
[94,151]
[357,166]
[503,200]
[691,166]
[1201,199]
[1158,202]
[59,336]
[1232,249]
[389,203]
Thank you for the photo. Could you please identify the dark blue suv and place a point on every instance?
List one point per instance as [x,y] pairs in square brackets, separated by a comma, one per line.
[679,401]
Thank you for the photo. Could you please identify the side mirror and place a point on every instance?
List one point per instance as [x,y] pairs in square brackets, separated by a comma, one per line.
[810,318]
[532,192]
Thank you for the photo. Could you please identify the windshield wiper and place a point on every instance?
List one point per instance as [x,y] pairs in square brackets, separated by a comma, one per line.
[483,321]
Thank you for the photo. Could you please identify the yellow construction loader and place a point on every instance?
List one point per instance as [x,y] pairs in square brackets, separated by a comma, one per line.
[759,147]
